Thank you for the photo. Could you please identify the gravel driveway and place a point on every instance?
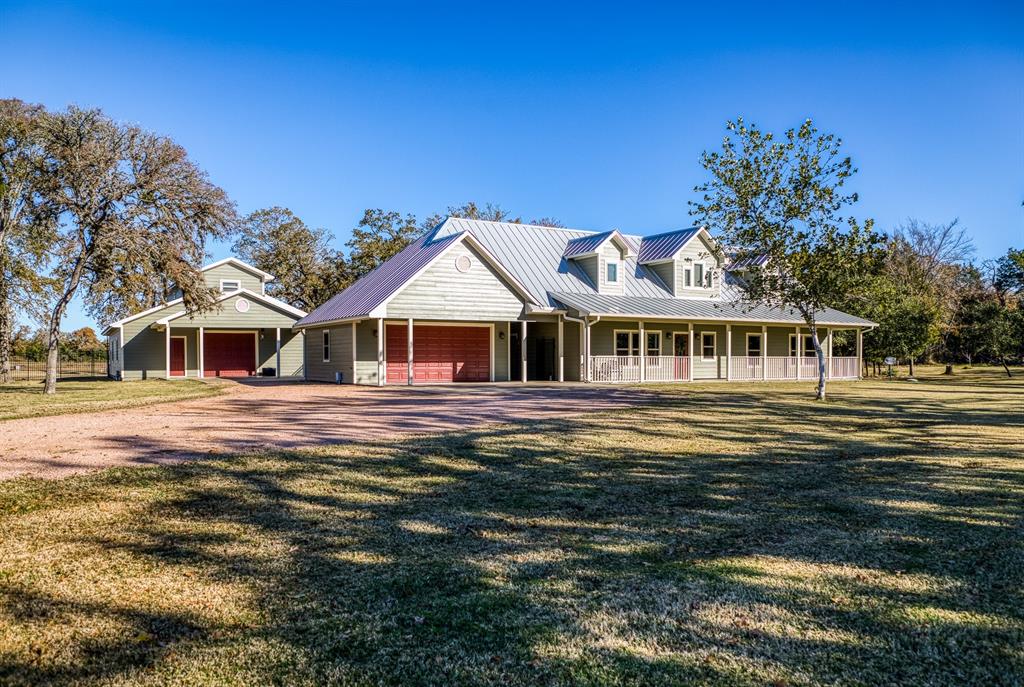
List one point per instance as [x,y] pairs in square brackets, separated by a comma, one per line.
[285,415]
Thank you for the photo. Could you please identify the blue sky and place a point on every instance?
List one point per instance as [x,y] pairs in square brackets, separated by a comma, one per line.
[594,114]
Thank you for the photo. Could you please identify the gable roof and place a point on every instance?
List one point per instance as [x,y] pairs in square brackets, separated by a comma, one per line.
[261,298]
[242,265]
[379,286]
[591,244]
[662,247]
[750,261]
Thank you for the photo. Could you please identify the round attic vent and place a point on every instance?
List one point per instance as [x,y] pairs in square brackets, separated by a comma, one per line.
[242,305]
[463,263]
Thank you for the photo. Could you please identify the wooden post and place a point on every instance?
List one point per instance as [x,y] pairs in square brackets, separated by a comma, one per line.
[728,352]
[277,343]
[799,353]
[408,353]
[643,352]
[354,356]
[764,352]
[380,351]
[202,355]
[587,376]
[690,350]
[828,354]
[860,353]
[522,352]
[561,349]
[167,348]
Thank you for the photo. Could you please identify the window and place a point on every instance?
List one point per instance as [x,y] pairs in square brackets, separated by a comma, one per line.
[612,272]
[230,285]
[754,345]
[707,345]
[698,274]
[808,346]
[653,344]
[327,345]
[707,279]
[627,343]
[686,278]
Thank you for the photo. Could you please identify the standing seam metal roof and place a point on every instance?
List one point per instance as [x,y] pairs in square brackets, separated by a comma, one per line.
[664,246]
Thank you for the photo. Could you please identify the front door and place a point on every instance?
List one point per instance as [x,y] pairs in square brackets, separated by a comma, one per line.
[177,356]
[681,344]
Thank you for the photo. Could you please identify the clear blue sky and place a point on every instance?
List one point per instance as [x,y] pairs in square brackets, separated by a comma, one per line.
[589,113]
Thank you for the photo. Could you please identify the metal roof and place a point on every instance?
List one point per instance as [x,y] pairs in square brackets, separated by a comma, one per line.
[695,309]
[359,299]
[752,261]
[665,246]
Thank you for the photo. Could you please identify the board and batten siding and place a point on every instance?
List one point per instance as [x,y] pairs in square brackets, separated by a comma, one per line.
[442,292]
[250,281]
[317,370]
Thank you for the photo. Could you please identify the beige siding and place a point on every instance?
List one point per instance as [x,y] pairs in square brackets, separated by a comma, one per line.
[666,271]
[611,253]
[571,350]
[228,271]
[590,266]
[227,316]
[366,352]
[696,251]
[715,367]
[317,369]
[442,292]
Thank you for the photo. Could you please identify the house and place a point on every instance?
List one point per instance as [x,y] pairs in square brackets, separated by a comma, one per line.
[477,301]
[247,333]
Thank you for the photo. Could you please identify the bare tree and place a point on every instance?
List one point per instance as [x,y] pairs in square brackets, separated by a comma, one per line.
[132,201]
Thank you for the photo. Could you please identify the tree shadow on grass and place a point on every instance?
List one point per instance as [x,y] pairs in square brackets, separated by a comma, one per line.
[740,547]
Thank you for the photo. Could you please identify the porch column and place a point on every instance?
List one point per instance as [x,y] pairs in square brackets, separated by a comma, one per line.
[586,349]
[561,349]
[764,352]
[643,353]
[728,352]
[828,354]
[690,350]
[408,353]
[522,352]
[202,355]
[354,356]
[799,353]
[277,344]
[167,348]
[380,351]
[860,353]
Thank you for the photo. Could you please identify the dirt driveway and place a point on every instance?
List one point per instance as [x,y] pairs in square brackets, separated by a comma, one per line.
[292,415]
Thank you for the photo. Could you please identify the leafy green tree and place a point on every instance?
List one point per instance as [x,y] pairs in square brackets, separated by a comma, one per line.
[380,236]
[1009,274]
[781,198]
[307,270]
[907,322]
[26,227]
[130,198]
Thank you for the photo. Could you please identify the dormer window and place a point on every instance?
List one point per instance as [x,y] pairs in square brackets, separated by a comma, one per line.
[698,274]
[612,272]
[227,285]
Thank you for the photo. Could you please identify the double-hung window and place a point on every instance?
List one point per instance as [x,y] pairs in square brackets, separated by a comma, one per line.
[698,274]
[653,344]
[808,346]
[612,272]
[627,343]
[707,345]
[754,345]
[687,278]
[327,345]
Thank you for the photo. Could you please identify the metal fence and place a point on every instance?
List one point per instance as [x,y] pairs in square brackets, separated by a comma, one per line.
[23,370]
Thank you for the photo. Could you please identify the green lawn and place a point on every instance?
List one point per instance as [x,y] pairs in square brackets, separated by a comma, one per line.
[727,535]
[25,399]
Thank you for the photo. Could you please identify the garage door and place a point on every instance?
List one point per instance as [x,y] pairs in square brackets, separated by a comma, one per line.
[229,354]
[440,354]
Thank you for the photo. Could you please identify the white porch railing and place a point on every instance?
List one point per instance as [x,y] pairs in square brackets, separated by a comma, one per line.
[667,368]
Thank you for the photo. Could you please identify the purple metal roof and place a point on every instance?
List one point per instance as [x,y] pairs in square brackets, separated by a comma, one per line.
[585,244]
[359,299]
[752,261]
[664,246]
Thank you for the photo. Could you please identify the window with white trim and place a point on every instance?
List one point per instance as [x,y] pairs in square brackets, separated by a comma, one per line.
[327,345]
[627,343]
[808,346]
[754,345]
[230,285]
[698,274]
[687,278]
[653,344]
[708,342]
[612,272]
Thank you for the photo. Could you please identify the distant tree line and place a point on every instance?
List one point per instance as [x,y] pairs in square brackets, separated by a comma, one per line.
[78,345]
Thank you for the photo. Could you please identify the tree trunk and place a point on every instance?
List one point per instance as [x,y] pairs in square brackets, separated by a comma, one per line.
[53,345]
[1006,367]
[911,366]
[6,328]
[820,393]
[948,370]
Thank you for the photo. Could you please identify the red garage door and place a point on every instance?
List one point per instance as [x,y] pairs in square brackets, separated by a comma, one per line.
[440,354]
[229,354]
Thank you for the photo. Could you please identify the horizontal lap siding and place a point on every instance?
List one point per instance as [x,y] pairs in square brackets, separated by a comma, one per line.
[709,369]
[341,354]
[696,251]
[226,316]
[366,352]
[571,350]
[291,352]
[442,292]
[228,271]
[144,352]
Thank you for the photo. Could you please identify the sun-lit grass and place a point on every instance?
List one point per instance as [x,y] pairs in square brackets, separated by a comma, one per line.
[729,535]
[25,399]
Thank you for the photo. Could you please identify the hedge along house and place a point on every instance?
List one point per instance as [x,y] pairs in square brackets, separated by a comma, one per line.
[475,301]
[245,334]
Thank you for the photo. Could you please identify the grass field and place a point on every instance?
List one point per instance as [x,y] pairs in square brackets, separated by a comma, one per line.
[25,399]
[727,535]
